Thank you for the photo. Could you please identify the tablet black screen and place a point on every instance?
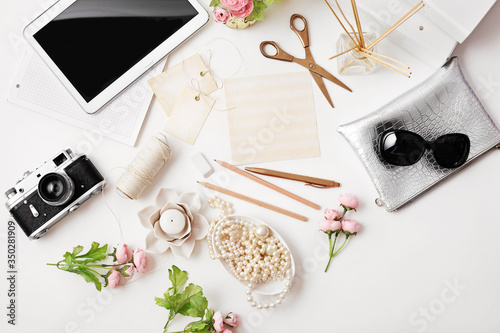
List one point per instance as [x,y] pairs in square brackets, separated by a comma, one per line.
[94,42]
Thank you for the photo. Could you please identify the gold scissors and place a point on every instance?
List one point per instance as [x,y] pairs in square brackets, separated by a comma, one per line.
[317,72]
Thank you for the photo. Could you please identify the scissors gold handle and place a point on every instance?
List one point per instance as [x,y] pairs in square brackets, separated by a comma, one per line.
[302,34]
[279,55]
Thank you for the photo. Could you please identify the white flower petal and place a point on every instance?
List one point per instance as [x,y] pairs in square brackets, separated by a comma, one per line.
[166,195]
[192,200]
[156,245]
[144,215]
[185,250]
[199,227]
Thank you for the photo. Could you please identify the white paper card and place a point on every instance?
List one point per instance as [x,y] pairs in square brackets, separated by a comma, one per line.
[273,118]
[191,72]
[188,115]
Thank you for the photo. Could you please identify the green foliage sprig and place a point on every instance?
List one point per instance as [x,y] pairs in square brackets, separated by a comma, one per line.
[187,301]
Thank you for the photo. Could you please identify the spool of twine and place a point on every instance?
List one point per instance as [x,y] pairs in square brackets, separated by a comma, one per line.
[142,170]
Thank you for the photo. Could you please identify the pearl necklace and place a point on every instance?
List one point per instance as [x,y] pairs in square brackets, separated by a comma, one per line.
[250,252]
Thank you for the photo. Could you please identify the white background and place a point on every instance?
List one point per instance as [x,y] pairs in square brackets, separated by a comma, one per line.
[399,267]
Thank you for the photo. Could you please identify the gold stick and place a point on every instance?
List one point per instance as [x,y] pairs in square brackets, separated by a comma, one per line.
[348,63]
[254,201]
[348,34]
[349,23]
[358,23]
[413,11]
[268,184]
[335,56]
[386,57]
[385,64]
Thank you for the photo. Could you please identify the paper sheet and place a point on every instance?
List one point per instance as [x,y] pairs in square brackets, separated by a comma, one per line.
[38,89]
[273,118]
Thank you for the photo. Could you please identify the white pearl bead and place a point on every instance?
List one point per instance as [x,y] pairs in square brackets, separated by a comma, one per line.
[250,299]
[266,305]
[288,284]
[259,306]
[253,304]
[249,292]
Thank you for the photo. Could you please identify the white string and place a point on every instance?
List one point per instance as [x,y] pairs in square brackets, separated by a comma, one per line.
[141,171]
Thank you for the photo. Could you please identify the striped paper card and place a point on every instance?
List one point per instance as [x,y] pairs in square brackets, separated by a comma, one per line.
[271,118]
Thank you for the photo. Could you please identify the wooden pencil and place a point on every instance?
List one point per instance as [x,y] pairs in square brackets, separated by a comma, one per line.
[268,184]
[253,201]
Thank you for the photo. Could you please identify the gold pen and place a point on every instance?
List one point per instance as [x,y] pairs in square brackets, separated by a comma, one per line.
[311,181]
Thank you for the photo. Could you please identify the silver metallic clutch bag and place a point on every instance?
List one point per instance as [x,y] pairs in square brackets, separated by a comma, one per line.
[442,104]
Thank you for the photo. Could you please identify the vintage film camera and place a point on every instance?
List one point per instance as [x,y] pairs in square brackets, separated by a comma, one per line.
[55,189]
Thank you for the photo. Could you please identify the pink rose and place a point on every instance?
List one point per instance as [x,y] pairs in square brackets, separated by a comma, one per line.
[226,330]
[235,4]
[243,11]
[140,260]
[332,214]
[349,201]
[328,225]
[231,319]
[218,321]
[114,279]
[350,226]
[130,272]
[122,254]
[221,15]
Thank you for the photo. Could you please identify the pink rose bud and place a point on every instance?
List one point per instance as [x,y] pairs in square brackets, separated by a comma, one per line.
[140,260]
[350,226]
[234,4]
[218,322]
[130,272]
[114,279]
[243,11]
[327,225]
[332,214]
[349,201]
[122,254]
[231,319]
[221,15]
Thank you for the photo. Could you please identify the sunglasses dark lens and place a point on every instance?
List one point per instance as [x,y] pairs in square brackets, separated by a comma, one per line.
[451,150]
[401,148]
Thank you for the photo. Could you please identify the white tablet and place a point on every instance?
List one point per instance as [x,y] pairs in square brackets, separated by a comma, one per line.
[99,47]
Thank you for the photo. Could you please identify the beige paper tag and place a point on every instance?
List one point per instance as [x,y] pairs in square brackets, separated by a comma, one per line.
[168,85]
[188,115]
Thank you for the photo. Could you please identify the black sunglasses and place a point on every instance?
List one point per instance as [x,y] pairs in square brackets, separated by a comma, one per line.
[403,148]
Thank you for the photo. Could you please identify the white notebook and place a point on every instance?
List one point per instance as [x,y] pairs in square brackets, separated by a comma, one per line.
[37,88]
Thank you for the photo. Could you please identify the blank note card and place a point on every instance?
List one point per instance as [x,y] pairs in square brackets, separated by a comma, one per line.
[271,118]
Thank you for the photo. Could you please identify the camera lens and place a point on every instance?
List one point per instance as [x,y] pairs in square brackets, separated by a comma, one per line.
[55,188]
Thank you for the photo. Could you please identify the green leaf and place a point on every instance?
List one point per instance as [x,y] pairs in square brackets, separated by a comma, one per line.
[162,302]
[77,249]
[214,3]
[88,276]
[196,326]
[178,278]
[95,253]
[184,301]
[123,270]
[199,305]
[209,316]
[68,259]
[258,11]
